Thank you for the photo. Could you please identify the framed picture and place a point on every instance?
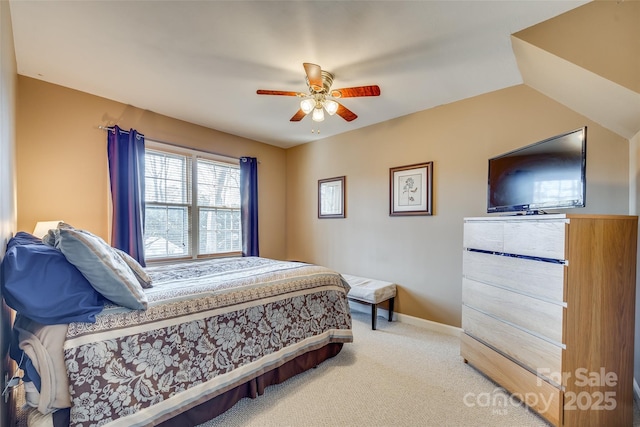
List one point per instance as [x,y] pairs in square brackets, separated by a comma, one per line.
[331,197]
[411,189]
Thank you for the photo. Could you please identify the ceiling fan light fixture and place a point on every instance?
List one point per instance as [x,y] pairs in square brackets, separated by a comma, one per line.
[318,114]
[331,106]
[321,97]
[307,105]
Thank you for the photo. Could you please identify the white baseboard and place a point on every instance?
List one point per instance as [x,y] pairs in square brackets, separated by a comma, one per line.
[430,324]
[636,392]
[410,320]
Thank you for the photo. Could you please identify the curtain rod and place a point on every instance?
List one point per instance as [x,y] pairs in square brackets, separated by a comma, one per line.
[111,128]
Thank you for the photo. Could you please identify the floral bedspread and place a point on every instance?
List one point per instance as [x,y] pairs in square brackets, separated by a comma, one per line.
[210,326]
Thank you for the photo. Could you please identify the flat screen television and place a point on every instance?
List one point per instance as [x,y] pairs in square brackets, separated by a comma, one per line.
[549,174]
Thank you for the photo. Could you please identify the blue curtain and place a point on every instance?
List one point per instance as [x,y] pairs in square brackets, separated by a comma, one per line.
[249,205]
[126,172]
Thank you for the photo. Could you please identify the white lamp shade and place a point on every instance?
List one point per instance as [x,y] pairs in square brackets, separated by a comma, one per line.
[318,114]
[43,227]
[306,105]
[331,106]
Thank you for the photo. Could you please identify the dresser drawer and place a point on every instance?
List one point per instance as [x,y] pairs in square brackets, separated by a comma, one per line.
[544,238]
[529,350]
[537,278]
[484,235]
[540,395]
[541,317]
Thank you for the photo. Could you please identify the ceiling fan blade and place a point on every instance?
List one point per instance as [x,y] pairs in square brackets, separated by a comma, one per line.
[314,74]
[277,92]
[352,92]
[298,116]
[345,113]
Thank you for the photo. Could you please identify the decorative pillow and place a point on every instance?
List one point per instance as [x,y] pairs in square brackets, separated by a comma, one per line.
[50,237]
[101,265]
[143,278]
[39,282]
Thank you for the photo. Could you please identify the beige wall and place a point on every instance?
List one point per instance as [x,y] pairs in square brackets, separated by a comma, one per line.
[7,178]
[62,159]
[424,254]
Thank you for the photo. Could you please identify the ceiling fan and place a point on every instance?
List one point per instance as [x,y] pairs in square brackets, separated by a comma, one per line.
[321,97]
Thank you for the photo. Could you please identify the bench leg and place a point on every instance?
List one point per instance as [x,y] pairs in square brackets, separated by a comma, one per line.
[391,309]
[374,315]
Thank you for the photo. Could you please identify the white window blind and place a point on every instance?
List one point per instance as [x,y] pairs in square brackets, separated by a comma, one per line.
[178,213]
[218,207]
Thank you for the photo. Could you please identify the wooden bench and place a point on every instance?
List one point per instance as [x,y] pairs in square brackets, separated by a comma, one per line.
[371,292]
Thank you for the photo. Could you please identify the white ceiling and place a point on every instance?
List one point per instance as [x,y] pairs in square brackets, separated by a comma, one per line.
[202,61]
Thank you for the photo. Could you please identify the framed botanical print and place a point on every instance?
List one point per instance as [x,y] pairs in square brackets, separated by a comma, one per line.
[410,189]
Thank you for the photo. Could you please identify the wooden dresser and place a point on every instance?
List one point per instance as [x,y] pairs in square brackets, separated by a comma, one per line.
[549,310]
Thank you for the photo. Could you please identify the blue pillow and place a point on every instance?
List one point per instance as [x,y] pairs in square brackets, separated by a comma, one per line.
[39,282]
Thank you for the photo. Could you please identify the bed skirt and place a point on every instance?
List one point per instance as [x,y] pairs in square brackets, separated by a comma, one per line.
[253,388]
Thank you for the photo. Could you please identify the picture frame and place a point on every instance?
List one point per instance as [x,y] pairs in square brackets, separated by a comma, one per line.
[331,197]
[411,189]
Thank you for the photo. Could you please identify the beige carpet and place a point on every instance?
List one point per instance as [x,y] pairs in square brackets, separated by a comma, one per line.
[399,375]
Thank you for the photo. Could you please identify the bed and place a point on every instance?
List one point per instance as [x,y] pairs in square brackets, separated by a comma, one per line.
[207,334]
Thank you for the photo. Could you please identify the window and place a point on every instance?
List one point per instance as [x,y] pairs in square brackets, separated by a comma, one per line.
[186,220]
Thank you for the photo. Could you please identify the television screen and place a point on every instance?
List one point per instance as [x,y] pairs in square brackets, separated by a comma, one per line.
[549,174]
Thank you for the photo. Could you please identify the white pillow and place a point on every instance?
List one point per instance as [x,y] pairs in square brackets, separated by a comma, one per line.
[143,278]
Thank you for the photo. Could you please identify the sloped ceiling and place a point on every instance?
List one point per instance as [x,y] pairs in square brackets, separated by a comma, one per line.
[202,61]
[589,60]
